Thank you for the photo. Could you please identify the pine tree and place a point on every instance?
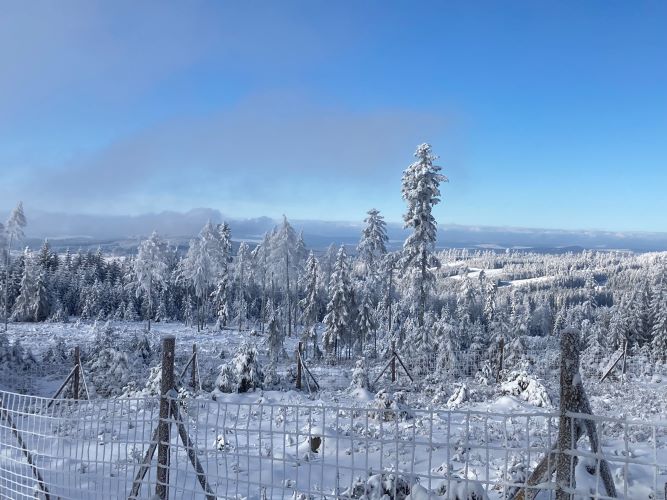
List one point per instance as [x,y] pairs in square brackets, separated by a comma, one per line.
[24,304]
[14,231]
[659,331]
[287,254]
[337,319]
[276,336]
[243,260]
[366,324]
[150,269]
[310,303]
[421,191]
[373,243]
[198,269]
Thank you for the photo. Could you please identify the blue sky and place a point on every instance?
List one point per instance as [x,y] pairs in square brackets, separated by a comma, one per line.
[544,114]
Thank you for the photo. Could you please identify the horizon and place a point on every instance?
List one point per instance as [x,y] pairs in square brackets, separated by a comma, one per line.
[544,116]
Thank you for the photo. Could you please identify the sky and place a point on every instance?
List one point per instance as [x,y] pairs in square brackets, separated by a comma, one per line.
[544,114]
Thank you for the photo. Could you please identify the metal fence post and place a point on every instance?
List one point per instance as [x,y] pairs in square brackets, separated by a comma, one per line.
[77,372]
[164,426]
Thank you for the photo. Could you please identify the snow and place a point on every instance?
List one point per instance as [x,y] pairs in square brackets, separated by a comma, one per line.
[518,394]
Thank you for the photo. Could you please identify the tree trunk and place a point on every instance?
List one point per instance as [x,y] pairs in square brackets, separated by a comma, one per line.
[150,302]
[422,290]
[389,292]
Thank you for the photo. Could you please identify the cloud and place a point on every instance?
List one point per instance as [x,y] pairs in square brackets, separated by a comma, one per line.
[274,147]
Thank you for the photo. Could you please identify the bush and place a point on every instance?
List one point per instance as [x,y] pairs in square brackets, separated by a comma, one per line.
[243,373]
[519,383]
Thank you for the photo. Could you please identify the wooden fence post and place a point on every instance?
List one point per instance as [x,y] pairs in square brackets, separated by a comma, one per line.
[193,375]
[569,402]
[393,361]
[164,426]
[298,367]
[77,372]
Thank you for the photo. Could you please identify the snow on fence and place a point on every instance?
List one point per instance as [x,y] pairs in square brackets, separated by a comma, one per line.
[177,446]
[98,449]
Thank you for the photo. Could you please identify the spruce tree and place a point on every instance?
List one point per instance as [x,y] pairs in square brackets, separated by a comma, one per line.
[150,269]
[337,319]
[421,191]
[14,232]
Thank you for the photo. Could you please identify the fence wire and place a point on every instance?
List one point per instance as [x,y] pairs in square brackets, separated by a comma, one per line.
[95,449]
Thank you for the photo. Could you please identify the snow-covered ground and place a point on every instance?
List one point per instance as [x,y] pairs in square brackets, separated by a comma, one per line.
[471,433]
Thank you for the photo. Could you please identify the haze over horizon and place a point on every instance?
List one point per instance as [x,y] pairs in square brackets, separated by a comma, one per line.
[544,116]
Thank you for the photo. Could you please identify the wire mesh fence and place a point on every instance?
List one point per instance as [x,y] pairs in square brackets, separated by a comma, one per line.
[98,449]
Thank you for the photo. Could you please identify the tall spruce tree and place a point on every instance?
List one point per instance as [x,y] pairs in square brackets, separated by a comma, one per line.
[421,191]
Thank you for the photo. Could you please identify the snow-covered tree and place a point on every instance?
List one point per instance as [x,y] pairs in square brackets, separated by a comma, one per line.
[24,306]
[366,324]
[243,260]
[276,337]
[287,254]
[338,317]
[14,232]
[421,191]
[198,269]
[310,305]
[373,243]
[150,269]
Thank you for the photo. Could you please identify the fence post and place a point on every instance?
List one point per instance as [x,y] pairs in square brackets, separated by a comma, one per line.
[164,426]
[393,361]
[298,366]
[567,434]
[193,374]
[77,372]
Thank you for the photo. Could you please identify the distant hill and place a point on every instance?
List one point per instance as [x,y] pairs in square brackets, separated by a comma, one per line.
[122,232]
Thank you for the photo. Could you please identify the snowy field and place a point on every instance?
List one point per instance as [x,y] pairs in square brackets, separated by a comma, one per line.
[447,433]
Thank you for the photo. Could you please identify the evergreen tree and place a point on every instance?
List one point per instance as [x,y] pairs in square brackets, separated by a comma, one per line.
[150,269]
[366,324]
[14,232]
[24,305]
[287,254]
[337,319]
[373,243]
[243,259]
[421,191]
[310,303]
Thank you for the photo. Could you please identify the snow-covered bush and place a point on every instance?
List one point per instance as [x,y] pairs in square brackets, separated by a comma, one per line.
[593,359]
[360,376]
[459,397]
[390,406]
[518,383]
[271,377]
[380,487]
[14,357]
[57,353]
[243,373]
[459,489]
[103,337]
[108,372]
